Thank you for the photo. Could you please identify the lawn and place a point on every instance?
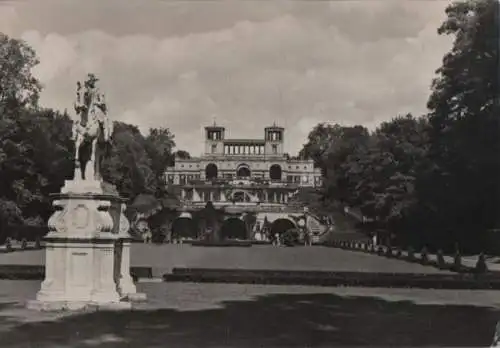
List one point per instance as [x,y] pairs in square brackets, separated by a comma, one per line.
[162,258]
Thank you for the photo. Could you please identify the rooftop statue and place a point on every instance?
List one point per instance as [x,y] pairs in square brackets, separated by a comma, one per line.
[92,130]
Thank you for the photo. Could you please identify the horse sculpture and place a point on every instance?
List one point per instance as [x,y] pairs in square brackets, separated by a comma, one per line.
[91,131]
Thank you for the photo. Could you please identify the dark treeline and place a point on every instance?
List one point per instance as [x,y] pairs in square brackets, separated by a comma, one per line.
[433,179]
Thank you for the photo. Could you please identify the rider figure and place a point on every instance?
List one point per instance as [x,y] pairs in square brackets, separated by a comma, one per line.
[91,109]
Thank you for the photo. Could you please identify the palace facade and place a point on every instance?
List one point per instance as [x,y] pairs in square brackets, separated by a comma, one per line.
[244,176]
[259,168]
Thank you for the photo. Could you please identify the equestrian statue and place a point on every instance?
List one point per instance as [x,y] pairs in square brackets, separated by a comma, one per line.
[91,131]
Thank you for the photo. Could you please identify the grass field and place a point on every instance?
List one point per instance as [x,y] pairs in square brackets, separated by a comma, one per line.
[164,257]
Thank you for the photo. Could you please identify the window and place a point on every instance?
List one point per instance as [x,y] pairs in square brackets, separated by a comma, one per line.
[211,171]
[275,149]
[214,148]
[275,172]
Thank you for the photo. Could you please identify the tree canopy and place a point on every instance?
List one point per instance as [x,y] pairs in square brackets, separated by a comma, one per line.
[17,84]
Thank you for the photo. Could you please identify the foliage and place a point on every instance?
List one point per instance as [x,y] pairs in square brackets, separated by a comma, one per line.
[464,117]
[18,87]
[291,237]
[182,154]
[35,152]
[159,144]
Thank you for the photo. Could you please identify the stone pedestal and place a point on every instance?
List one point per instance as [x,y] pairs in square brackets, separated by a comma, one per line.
[81,265]
[124,281]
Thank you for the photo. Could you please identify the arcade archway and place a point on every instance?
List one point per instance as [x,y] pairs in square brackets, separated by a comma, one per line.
[281,225]
[233,228]
[275,172]
[211,171]
[184,228]
[243,171]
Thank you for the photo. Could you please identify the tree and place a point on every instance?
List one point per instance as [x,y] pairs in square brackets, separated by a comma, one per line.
[386,170]
[349,141]
[128,166]
[464,119]
[36,158]
[319,141]
[159,144]
[18,87]
[182,154]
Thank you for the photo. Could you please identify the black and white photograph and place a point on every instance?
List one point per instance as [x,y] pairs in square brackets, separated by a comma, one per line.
[249,173]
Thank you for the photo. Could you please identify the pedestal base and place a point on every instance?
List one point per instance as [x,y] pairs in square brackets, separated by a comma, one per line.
[54,306]
[82,186]
[87,260]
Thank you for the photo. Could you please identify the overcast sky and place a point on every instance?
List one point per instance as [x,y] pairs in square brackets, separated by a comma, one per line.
[179,64]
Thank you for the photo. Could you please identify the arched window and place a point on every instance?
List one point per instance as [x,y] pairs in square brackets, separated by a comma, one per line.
[243,171]
[275,172]
[211,171]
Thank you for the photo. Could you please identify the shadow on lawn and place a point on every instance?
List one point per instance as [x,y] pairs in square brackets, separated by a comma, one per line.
[268,321]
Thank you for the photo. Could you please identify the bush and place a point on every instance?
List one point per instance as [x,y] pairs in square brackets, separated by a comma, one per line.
[290,237]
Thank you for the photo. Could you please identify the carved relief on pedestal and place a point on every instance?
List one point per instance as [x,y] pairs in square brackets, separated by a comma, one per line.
[57,222]
[103,219]
[81,217]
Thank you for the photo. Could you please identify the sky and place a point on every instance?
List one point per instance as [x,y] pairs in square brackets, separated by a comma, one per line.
[245,64]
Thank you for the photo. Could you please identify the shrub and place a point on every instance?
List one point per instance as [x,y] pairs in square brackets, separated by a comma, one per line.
[290,237]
